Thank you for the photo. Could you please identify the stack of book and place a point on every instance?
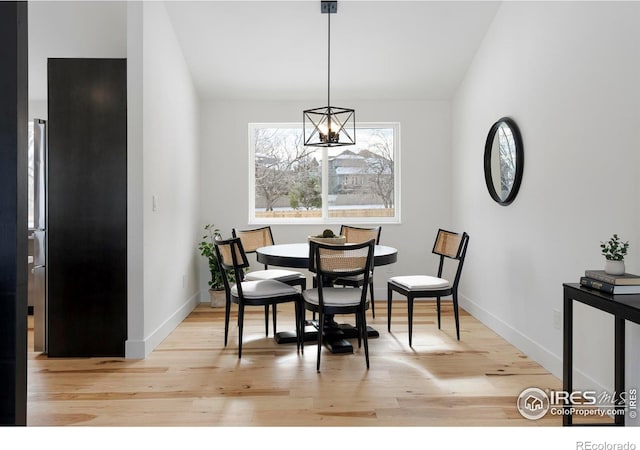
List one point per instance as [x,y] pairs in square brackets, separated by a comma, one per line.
[627,283]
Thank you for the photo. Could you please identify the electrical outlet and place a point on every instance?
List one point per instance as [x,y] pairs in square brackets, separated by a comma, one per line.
[154,203]
[557,319]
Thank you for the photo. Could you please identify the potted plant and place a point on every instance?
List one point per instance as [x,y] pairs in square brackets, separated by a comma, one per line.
[216,283]
[614,250]
[328,237]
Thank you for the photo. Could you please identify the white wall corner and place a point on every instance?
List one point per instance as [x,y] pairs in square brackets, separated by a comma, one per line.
[140,349]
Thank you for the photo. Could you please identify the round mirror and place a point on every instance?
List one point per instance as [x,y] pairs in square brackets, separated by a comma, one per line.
[503,161]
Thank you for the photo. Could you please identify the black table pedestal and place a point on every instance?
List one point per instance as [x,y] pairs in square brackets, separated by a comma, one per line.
[336,337]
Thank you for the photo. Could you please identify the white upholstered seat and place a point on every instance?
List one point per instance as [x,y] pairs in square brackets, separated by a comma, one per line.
[421,282]
[334,296]
[273,274]
[263,289]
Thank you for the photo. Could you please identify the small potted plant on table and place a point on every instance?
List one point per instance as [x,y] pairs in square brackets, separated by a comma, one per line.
[328,237]
[614,250]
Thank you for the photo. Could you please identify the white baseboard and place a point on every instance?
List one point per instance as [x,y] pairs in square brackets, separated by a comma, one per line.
[543,356]
[140,349]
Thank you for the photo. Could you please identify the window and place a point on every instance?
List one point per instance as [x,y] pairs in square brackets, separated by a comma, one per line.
[291,182]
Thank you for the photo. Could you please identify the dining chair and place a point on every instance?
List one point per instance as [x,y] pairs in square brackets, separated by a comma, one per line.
[329,262]
[252,240]
[448,245]
[232,257]
[356,235]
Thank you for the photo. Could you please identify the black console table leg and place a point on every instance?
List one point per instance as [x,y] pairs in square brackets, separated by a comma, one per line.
[619,368]
[567,358]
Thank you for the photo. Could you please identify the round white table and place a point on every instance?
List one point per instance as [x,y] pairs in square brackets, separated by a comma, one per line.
[297,255]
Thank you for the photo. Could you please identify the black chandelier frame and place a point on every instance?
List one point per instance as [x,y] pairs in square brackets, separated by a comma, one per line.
[329,126]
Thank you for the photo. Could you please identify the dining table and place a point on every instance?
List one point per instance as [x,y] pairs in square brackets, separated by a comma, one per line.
[296,256]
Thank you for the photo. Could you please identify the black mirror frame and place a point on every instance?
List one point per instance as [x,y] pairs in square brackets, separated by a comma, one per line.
[519,161]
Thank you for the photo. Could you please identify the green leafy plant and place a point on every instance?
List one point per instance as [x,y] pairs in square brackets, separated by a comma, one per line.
[614,249]
[326,234]
[208,250]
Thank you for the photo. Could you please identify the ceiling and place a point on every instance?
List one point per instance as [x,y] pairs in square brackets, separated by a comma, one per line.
[266,50]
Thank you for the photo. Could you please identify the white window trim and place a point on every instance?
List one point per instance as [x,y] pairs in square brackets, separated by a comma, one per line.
[325,219]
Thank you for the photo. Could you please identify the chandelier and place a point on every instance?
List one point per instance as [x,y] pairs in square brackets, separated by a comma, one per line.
[329,126]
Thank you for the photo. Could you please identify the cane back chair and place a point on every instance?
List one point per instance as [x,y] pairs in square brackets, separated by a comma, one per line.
[448,246]
[329,262]
[252,240]
[232,257]
[356,235]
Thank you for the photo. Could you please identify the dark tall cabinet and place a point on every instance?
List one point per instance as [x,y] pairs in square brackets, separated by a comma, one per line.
[13,212]
[87,207]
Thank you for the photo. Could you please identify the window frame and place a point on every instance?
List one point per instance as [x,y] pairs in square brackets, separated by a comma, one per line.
[324,219]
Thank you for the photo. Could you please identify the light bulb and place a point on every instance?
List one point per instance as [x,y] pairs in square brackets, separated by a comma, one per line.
[327,134]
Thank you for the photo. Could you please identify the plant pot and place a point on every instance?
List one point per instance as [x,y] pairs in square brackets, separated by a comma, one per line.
[217,297]
[329,240]
[614,267]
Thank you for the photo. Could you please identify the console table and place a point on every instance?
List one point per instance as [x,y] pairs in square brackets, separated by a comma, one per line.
[623,307]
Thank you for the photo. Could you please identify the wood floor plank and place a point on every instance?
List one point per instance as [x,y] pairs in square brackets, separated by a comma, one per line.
[191,379]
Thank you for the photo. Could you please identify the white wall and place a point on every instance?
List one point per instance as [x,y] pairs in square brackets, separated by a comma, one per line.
[163,163]
[567,73]
[425,169]
[71,29]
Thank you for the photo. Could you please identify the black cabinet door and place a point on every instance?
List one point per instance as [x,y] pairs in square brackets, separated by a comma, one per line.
[14,74]
[87,207]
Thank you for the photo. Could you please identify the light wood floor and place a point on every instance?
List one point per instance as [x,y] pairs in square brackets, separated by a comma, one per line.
[191,379]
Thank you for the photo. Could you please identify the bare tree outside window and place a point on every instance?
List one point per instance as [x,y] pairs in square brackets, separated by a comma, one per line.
[283,167]
[305,190]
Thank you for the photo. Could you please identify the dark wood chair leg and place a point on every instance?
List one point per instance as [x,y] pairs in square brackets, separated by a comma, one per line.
[410,317]
[275,315]
[297,320]
[455,312]
[320,336]
[363,331]
[359,329]
[227,312]
[438,307]
[240,326]
[389,290]
[301,324]
[266,320]
[373,305]
[315,285]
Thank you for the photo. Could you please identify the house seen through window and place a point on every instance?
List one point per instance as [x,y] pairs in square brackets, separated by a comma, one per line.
[292,182]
